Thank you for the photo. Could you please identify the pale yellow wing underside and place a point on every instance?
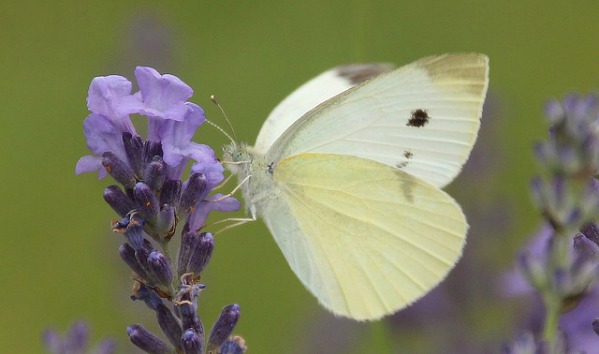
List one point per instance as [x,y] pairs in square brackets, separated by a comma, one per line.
[365,238]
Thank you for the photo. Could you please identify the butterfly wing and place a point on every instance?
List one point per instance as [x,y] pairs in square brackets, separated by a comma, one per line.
[365,238]
[310,95]
[422,118]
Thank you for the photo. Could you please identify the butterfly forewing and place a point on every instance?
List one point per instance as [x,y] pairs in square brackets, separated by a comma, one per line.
[422,118]
[311,94]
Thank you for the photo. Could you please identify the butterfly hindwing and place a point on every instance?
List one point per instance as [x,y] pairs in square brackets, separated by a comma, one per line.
[366,239]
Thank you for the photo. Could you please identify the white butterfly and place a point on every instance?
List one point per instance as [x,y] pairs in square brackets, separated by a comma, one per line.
[350,189]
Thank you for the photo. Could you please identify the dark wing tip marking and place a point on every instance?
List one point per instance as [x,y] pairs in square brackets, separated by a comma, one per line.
[419,118]
[357,73]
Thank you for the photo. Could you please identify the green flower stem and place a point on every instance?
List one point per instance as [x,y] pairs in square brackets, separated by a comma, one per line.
[552,308]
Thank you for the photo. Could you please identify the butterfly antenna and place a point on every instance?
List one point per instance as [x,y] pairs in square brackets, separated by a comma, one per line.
[213,99]
[221,130]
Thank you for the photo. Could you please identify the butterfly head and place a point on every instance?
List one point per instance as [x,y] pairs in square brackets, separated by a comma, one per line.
[236,157]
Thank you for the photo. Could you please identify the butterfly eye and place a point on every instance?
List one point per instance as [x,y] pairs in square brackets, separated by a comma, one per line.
[237,156]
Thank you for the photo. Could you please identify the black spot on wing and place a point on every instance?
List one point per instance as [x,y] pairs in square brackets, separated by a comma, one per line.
[402,164]
[419,118]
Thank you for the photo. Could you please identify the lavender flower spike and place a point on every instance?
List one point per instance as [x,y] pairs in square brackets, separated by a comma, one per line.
[152,200]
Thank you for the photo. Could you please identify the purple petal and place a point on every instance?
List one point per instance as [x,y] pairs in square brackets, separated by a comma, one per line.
[103,135]
[90,164]
[110,96]
[206,163]
[179,134]
[176,136]
[216,202]
[163,96]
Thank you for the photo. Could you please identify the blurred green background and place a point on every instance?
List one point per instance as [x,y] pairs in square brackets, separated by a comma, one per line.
[59,260]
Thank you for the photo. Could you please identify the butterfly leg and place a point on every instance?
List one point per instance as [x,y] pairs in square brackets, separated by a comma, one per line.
[236,222]
[223,182]
[232,192]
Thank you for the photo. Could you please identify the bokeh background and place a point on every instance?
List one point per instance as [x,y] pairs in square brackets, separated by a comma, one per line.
[59,261]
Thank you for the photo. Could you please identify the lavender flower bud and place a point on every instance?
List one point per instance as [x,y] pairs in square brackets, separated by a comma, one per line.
[146,341]
[192,344]
[77,338]
[544,154]
[128,255]
[557,204]
[233,345]
[583,277]
[539,193]
[591,232]
[532,269]
[190,318]
[106,347]
[561,282]
[586,250]
[554,112]
[590,200]
[170,325]
[171,192]
[142,255]
[526,344]
[118,169]
[558,193]
[590,152]
[155,173]
[147,203]
[75,341]
[147,295]
[118,200]
[134,232]
[151,149]
[160,269]
[52,341]
[595,325]
[166,222]
[201,254]
[193,190]
[568,160]
[134,150]
[195,252]
[223,327]
[186,306]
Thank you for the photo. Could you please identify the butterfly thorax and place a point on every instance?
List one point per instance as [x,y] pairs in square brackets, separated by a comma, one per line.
[241,160]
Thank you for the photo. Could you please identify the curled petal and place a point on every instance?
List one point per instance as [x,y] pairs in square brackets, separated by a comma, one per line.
[90,164]
[111,97]
[163,96]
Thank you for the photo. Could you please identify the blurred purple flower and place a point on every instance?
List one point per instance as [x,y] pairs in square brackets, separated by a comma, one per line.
[579,310]
[75,341]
